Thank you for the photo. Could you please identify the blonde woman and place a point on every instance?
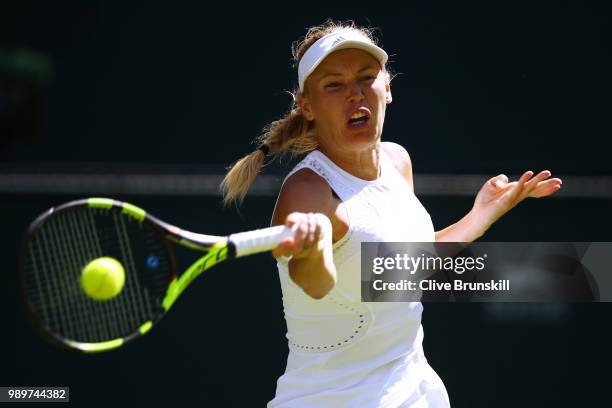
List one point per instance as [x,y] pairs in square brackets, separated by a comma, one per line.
[352,187]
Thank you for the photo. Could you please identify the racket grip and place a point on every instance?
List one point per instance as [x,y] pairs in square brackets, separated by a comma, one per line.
[261,240]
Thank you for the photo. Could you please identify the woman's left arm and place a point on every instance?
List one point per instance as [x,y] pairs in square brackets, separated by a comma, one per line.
[496,198]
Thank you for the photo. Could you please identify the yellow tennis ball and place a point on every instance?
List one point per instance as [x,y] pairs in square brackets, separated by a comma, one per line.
[103,278]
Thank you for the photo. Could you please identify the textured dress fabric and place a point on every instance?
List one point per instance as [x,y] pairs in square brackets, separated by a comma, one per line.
[348,353]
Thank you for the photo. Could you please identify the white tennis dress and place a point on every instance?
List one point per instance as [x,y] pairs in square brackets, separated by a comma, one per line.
[345,353]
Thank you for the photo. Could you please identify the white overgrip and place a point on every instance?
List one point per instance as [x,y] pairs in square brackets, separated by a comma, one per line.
[261,240]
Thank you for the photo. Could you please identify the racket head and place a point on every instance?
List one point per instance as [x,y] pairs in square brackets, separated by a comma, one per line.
[62,240]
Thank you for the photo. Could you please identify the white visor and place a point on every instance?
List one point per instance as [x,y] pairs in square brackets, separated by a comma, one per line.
[324,46]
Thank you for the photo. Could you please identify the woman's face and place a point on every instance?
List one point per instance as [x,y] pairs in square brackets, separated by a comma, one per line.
[346,96]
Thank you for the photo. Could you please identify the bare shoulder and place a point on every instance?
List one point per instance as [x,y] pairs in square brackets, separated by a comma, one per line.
[401,159]
[303,191]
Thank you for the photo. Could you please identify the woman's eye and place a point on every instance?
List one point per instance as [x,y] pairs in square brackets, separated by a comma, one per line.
[368,78]
[332,85]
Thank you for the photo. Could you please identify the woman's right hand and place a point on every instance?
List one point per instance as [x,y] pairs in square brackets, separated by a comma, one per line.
[311,266]
[312,230]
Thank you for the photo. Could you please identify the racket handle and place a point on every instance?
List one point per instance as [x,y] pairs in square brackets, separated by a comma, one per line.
[261,240]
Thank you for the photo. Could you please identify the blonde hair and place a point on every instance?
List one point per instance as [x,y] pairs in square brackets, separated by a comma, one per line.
[292,134]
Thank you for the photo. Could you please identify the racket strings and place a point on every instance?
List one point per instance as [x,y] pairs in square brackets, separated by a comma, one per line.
[64,244]
[55,236]
[140,308]
[79,256]
[54,285]
[91,251]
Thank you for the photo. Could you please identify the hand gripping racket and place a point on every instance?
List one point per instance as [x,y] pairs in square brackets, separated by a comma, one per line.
[64,239]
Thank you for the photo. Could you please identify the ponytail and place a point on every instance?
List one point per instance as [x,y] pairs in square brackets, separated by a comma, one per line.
[291,134]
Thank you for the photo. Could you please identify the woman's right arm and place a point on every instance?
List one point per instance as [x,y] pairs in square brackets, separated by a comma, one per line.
[306,204]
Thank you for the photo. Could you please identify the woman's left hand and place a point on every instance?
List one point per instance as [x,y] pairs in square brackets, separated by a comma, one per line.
[497,196]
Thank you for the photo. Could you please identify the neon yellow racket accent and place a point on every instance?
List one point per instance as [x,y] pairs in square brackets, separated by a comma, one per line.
[104,203]
[133,211]
[145,327]
[218,253]
[96,347]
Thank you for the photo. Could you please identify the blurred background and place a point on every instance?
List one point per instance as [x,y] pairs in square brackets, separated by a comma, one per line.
[149,103]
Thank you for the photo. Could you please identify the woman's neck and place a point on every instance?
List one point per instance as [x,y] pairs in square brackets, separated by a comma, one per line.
[363,164]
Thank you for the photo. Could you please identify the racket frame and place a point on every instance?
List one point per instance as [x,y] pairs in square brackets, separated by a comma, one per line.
[217,249]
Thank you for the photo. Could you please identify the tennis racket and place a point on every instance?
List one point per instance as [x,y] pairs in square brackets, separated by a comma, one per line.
[64,239]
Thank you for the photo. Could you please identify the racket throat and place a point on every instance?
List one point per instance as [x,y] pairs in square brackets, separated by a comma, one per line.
[178,285]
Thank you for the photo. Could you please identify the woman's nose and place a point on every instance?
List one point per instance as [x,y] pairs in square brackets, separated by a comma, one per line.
[355,92]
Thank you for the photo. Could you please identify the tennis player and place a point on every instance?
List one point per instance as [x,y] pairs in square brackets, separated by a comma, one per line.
[352,187]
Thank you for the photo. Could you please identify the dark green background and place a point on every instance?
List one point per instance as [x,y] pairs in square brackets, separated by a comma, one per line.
[482,89]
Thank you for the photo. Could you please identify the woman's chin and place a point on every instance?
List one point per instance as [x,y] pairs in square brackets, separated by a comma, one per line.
[364,135]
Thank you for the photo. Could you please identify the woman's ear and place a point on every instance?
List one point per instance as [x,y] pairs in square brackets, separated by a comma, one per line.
[388,96]
[305,107]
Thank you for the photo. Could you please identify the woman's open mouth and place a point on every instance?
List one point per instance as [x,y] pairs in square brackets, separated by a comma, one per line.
[359,119]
